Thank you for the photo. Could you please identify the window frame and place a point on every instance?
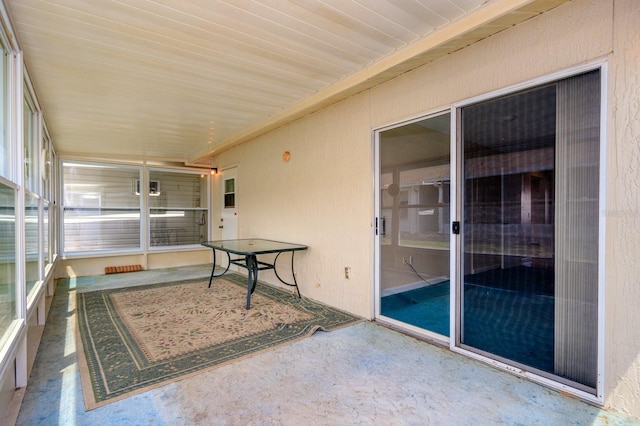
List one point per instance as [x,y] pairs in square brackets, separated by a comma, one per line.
[145,208]
[206,210]
[64,207]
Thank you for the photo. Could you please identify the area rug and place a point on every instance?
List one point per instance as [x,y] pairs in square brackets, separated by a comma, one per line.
[133,339]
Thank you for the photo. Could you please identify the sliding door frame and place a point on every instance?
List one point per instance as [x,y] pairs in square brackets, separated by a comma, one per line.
[377,252]
[456,244]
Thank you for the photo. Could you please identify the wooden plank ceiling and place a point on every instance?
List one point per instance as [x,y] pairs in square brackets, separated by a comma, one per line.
[182,80]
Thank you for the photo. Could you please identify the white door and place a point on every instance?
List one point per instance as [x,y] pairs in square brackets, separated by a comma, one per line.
[229,216]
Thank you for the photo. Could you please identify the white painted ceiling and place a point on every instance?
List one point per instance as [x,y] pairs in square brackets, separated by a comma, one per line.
[181,80]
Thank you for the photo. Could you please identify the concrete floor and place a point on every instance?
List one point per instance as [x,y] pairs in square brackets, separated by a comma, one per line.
[364,374]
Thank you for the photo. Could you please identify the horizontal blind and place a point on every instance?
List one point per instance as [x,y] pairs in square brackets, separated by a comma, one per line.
[101,207]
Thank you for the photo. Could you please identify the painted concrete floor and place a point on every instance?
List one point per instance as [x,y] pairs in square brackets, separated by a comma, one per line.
[360,375]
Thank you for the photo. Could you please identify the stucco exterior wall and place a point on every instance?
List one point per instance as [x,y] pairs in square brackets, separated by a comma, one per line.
[323,196]
[622,312]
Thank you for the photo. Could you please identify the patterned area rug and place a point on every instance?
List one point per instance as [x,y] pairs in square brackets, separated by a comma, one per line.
[136,338]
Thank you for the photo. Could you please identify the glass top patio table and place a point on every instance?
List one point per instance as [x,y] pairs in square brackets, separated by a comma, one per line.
[253,246]
[249,250]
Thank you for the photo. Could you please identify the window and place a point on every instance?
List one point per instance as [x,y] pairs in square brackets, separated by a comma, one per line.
[100,209]
[52,206]
[47,185]
[7,257]
[27,212]
[32,172]
[177,208]
[32,241]
[46,243]
[229,193]
[5,150]
[31,146]
[424,206]
[45,172]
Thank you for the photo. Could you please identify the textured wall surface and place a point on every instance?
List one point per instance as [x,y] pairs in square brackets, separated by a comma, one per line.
[622,312]
[323,196]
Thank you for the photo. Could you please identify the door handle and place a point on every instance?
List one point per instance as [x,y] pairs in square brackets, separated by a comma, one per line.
[220,226]
[455,227]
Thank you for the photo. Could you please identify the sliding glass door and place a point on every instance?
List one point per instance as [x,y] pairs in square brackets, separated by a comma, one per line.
[529,241]
[499,254]
[413,224]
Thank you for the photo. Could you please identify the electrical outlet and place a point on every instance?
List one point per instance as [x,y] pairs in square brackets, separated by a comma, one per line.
[411,260]
[347,272]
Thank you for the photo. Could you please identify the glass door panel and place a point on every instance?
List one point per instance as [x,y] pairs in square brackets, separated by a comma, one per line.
[413,224]
[530,229]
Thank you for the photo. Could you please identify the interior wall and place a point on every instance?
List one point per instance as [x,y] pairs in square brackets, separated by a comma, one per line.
[10,396]
[162,260]
[87,266]
[7,394]
[323,196]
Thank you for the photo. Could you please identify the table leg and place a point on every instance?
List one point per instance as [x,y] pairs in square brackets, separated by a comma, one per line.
[293,273]
[252,277]
[214,266]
